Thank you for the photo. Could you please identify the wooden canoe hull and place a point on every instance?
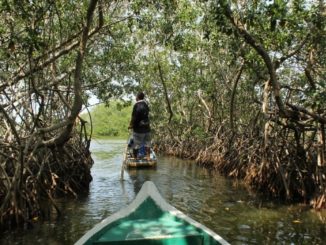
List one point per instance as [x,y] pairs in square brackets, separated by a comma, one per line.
[149,219]
[130,162]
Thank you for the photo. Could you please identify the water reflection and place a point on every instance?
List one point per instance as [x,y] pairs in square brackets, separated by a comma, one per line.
[220,204]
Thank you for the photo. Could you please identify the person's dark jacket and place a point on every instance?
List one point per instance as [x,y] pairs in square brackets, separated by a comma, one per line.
[140,117]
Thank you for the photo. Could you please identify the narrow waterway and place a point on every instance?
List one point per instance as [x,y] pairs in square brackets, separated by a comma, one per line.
[220,204]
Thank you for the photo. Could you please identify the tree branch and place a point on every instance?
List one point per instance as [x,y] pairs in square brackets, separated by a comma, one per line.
[263,53]
[165,91]
[77,105]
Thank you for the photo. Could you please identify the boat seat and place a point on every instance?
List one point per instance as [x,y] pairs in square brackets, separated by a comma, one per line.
[190,239]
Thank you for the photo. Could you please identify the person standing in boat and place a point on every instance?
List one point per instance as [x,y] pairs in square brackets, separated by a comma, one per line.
[140,125]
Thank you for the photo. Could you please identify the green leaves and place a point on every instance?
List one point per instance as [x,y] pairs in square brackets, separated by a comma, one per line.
[111,120]
[195,43]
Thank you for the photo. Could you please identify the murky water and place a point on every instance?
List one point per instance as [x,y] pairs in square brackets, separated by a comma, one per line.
[220,204]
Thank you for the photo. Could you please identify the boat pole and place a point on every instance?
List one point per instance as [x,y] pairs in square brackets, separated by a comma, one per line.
[123,163]
[124,157]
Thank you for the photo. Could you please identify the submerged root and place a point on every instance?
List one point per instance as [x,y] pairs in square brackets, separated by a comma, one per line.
[319,202]
[48,173]
[280,170]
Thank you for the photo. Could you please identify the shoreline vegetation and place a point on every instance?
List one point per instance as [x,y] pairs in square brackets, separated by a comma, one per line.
[237,85]
[108,121]
[237,159]
[240,156]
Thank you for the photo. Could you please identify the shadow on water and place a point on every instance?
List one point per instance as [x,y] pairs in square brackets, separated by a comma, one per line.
[221,204]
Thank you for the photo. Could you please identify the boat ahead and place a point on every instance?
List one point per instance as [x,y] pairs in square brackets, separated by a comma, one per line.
[149,219]
[139,162]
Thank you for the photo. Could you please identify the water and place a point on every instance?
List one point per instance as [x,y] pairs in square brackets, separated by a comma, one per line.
[222,205]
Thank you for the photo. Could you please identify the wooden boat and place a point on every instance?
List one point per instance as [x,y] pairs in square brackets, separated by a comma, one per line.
[142,162]
[149,219]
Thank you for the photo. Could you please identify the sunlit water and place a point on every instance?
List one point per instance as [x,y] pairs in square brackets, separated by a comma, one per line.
[220,204]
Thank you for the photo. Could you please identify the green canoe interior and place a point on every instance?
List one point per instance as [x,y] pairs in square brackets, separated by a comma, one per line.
[148,224]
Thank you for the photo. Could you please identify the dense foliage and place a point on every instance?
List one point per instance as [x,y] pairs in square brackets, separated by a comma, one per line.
[238,85]
[43,154]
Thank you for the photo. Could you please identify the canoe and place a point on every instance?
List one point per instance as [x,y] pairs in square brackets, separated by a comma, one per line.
[142,162]
[149,219]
